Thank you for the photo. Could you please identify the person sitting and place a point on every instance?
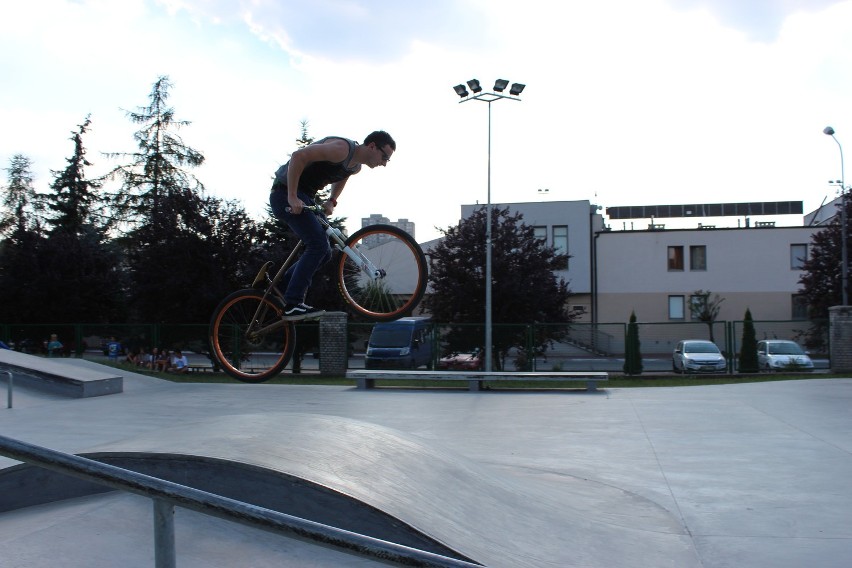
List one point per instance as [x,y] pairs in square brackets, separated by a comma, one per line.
[163,361]
[179,363]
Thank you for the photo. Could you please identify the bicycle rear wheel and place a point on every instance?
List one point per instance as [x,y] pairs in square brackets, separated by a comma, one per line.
[403,281]
[248,337]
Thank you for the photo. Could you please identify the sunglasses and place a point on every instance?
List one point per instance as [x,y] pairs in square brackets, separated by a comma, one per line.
[385,157]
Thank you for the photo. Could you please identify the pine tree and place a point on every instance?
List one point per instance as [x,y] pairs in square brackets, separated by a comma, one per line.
[748,347]
[632,351]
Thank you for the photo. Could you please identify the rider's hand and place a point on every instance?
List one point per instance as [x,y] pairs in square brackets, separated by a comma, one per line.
[296,205]
[327,207]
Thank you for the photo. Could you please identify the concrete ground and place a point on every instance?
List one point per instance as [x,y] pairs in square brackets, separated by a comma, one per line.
[712,477]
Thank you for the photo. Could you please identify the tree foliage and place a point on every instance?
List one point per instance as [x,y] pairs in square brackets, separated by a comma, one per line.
[524,285]
[748,346]
[705,308]
[632,350]
[821,273]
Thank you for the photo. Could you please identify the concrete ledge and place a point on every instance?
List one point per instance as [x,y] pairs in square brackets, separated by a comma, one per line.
[366,379]
[54,376]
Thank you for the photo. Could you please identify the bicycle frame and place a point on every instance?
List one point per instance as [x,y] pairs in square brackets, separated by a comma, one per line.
[339,239]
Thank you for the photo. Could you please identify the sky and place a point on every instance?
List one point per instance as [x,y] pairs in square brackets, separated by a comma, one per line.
[627,102]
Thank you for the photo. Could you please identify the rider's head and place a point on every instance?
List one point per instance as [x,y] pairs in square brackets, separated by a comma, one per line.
[381,138]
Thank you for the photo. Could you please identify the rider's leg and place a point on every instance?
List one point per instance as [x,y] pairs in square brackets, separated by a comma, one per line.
[317,248]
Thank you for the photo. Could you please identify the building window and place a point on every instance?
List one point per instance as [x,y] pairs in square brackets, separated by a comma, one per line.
[799,309]
[698,257]
[798,256]
[675,258]
[560,241]
[675,307]
[540,233]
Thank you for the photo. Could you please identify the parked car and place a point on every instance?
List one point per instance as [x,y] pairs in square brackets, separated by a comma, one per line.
[402,344]
[462,361]
[782,355]
[698,356]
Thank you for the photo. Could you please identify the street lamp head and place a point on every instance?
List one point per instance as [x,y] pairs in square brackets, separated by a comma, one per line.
[461,91]
[516,89]
[828,130]
[500,85]
[474,85]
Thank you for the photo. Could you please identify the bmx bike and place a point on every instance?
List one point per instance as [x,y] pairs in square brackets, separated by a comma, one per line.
[381,273]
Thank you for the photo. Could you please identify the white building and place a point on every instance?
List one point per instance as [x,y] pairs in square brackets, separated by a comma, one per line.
[654,272]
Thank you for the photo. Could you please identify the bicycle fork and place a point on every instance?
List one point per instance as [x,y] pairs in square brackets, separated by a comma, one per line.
[361,261]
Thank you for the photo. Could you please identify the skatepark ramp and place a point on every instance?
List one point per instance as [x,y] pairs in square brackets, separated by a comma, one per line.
[51,482]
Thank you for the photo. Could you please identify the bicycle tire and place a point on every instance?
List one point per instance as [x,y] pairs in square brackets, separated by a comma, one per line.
[401,288]
[250,359]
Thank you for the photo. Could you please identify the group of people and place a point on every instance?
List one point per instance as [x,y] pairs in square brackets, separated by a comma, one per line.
[155,359]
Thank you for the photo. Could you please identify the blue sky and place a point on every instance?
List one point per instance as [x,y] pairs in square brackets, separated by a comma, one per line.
[627,103]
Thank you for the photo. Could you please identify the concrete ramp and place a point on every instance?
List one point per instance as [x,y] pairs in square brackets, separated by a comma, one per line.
[439,500]
[56,376]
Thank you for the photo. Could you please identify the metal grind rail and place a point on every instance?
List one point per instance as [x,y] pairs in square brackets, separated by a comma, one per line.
[166,495]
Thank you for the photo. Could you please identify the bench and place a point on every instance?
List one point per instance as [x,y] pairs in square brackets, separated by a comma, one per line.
[366,379]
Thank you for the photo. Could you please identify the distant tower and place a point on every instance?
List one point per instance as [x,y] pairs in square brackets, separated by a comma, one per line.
[377,219]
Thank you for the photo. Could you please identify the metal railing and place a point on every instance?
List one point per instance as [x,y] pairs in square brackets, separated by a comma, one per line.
[166,495]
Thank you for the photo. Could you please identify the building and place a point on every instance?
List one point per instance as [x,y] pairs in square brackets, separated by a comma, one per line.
[378,219]
[655,271]
[569,227]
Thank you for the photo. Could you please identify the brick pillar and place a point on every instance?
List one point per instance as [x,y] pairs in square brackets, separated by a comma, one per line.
[334,358]
[840,333]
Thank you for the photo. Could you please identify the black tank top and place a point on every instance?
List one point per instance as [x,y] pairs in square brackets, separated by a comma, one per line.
[317,175]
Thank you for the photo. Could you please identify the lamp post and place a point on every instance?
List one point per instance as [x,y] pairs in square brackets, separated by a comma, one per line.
[844,254]
[488,97]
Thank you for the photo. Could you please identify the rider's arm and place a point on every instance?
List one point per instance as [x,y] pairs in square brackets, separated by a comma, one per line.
[334,150]
[330,203]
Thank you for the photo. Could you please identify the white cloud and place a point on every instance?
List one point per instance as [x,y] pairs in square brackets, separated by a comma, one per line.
[626,103]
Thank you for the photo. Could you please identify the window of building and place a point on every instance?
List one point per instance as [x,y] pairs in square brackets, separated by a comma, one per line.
[560,241]
[698,257]
[676,307]
[675,258]
[540,233]
[798,256]
[799,308]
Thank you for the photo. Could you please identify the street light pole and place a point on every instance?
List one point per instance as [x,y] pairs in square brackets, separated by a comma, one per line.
[844,254]
[488,97]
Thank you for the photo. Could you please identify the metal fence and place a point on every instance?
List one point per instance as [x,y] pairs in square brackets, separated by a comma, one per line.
[524,347]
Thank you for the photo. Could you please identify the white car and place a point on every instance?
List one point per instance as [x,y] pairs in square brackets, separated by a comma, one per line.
[698,356]
[782,355]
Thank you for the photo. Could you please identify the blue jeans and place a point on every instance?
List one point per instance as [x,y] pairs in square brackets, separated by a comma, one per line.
[297,279]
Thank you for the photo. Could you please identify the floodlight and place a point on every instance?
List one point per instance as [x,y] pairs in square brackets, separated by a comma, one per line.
[461,91]
[516,89]
[828,130]
[500,85]
[474,85]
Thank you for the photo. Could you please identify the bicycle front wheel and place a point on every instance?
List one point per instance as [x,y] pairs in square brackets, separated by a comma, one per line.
[248,337]
[401,282]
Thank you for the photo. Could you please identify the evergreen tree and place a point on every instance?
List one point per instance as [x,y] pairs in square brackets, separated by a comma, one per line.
[524,285]
[632,351]
[748,347]
[19,251]
[156,188]
[21,204]
[77,263]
